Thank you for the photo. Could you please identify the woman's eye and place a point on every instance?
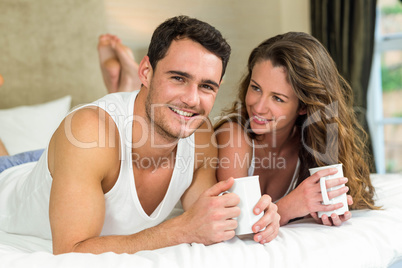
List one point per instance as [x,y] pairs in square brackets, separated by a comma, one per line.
[278,99]
[255,88]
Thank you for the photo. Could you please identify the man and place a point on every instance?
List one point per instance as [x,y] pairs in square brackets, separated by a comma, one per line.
[114,169]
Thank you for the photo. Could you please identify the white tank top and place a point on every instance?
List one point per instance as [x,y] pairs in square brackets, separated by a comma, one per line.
[292,184]
[25,189]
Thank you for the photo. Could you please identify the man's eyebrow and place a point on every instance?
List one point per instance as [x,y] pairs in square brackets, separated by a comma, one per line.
[189,76]
[276,93]
[211,83]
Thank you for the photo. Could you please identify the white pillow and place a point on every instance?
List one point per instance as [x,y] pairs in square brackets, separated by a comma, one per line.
[26,128]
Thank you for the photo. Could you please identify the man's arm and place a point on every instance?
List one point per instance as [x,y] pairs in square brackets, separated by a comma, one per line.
[79,166]
[82,172]
[212,215]
[82,175]
[205,163]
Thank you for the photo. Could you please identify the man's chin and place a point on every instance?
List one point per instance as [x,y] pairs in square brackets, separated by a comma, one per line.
[187,132]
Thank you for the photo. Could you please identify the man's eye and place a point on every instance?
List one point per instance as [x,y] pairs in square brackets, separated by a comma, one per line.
[207,87]
[178,78]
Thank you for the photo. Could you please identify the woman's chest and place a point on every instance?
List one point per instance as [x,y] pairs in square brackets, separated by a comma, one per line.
[275,173]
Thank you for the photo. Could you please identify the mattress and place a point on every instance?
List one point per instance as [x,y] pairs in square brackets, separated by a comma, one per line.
[369,239]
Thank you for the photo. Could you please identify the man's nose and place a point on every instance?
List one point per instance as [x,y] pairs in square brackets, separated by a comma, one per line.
[190,96]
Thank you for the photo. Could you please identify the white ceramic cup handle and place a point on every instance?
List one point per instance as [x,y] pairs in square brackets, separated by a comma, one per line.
[324,191]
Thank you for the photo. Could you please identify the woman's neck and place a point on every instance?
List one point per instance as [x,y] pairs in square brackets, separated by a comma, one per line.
[278,140]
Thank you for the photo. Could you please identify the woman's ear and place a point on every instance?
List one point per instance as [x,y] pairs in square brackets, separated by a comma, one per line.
[145,71]
[302,109]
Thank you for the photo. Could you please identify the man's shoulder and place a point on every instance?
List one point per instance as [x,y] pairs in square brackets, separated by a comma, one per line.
[86,143]
[90,128]
[85,118]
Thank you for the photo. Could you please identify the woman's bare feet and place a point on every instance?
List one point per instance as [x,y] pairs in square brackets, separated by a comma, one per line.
[109,63]
[119,69]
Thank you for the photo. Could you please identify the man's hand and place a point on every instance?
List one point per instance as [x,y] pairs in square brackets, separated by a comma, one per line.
[210,219]
[270,220]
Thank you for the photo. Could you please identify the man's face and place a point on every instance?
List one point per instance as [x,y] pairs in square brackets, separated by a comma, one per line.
[182,89]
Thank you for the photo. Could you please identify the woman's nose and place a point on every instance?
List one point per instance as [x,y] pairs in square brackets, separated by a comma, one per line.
[261,106]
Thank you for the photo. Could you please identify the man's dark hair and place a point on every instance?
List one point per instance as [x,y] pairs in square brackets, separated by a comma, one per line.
[181,27]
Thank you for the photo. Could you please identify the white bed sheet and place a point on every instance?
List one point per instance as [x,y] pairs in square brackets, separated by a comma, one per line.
[369,239]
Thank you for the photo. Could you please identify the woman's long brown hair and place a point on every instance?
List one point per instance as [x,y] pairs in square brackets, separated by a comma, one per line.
[330,133]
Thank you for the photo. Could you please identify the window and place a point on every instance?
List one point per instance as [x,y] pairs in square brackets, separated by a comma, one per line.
[385,92]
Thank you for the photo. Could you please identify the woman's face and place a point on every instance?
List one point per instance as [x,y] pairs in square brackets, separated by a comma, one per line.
[1,80]
[271,103]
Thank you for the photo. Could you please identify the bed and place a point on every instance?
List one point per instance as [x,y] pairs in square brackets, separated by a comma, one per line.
[52,76]
[369,239]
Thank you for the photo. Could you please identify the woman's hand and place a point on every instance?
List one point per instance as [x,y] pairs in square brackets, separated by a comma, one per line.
[334,219]
[307,199]
[270,220]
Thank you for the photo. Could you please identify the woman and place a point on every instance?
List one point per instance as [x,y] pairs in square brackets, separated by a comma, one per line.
[294,112]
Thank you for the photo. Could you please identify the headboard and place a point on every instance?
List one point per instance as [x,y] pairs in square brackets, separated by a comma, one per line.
[48,50]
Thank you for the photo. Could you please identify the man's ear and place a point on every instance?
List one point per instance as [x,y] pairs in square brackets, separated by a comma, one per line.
[145,71]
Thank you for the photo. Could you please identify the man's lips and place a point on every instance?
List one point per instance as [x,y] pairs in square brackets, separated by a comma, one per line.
[183,113]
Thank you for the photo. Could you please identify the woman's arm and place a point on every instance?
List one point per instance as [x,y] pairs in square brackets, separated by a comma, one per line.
[234,151]
[306,200]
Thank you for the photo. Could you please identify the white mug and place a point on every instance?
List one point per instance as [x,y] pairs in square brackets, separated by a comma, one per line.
[324,191]
[249,191]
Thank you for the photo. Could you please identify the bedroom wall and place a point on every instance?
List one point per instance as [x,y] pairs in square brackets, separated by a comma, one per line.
[244,24]
[48,48]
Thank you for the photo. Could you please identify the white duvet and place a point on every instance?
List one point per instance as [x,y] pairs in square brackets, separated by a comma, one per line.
[369,239]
